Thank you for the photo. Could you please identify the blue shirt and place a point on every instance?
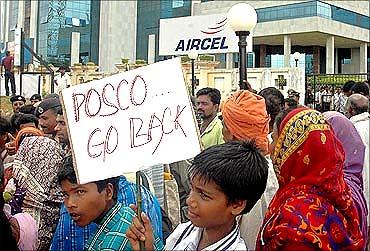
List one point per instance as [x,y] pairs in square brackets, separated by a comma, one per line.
[111,233]
[69,236]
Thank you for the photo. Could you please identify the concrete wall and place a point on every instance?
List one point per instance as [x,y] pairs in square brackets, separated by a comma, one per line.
[117,37]
[354,66]
[259,78]
[219,6]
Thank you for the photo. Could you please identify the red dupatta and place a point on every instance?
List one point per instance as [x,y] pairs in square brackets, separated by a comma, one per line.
[313,206]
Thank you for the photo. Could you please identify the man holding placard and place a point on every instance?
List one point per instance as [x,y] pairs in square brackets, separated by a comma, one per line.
[69,236]
[97,202]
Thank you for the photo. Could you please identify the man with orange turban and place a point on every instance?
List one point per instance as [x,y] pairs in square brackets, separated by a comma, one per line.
[245,118]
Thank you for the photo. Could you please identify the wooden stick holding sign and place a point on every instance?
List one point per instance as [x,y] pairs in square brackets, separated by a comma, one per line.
[138,203]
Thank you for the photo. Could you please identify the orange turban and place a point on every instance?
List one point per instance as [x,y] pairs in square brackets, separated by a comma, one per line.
[244,114]
[27,131]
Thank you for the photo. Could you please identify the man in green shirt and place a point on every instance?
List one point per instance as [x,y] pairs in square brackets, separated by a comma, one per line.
[208,101]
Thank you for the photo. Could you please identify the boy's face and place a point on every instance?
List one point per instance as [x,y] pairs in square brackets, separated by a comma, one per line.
[208,206]
[84,202]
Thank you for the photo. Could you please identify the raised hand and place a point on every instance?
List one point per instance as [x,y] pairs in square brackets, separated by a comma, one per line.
[140,232]
[10,146]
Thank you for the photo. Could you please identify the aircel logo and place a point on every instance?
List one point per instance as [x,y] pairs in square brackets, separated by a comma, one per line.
[213,43]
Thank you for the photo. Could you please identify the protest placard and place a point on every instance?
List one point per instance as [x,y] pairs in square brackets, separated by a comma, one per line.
[130,120]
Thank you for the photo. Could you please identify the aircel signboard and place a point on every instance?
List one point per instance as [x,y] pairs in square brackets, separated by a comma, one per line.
[204,34]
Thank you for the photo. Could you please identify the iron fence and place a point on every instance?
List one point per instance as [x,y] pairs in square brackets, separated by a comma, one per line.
[323,91]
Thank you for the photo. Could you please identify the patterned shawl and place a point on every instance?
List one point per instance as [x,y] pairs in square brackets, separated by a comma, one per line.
[26,132]
[35,172]
[313,206]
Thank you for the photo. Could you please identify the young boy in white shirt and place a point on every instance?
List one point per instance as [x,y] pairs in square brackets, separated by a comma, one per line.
[226,181]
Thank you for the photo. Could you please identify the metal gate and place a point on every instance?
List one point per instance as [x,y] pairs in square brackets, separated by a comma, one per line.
[322,90]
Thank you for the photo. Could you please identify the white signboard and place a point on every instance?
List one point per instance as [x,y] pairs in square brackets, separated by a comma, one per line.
[204,34]
[130,120]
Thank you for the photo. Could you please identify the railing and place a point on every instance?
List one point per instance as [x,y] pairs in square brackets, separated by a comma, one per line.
[323,89]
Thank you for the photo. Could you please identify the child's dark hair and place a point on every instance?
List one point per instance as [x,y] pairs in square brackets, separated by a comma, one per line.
[27,109]
[66,172]
[26,118]
[238,168]
[281,116]
[5,126]
[291,103]
[361,88]
[14,122]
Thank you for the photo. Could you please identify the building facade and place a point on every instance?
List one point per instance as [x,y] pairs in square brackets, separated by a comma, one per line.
[50,24]
[331,36]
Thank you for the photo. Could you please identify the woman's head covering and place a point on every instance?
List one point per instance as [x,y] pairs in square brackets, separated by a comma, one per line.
[27,231]
[26,132]
[313,205]
[354,150]
[244,114]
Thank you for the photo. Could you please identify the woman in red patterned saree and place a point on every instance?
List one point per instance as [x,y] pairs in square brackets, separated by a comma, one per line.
[313,208]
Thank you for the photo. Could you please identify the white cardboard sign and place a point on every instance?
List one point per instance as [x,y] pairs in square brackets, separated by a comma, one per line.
[204,34]
[130,120]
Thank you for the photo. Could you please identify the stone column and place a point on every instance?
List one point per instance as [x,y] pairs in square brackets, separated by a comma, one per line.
[20,21]
[287,50]
[229,61]
[316,59]
[330,55]
[2,20]
[336,66]
[363,58]
[6,25]
[75,48]
[263,55]
[151,48]
[33,22]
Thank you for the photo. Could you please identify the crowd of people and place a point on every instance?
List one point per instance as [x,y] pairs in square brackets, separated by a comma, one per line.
[333,98]
[273,175]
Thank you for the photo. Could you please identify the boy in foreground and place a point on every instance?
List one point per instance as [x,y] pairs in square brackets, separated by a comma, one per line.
[226,181]
[96,202]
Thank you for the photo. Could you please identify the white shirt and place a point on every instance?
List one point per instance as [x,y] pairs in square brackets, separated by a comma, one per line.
[62,82]
[362,124]
[251,223]
[187,236]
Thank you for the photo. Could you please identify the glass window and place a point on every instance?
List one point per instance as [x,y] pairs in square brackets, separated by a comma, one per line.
[250,60]
[313,8]
[177,3]
[346,61]
[324,10]
[277,61]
